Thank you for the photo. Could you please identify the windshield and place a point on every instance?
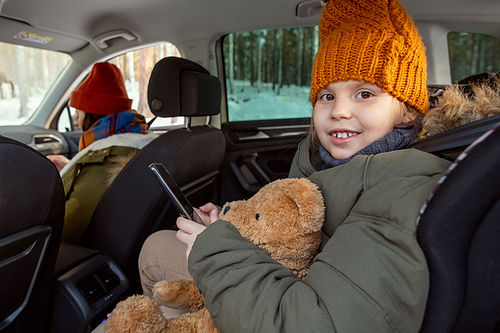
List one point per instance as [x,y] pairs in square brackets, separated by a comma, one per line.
[26,74]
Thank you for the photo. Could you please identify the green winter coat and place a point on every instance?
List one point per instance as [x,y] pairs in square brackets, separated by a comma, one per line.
[86,179]
[371,275]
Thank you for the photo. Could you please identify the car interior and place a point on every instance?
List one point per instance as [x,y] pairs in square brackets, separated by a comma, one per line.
[225,85]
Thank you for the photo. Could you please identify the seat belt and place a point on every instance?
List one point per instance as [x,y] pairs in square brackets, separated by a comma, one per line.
[451,143]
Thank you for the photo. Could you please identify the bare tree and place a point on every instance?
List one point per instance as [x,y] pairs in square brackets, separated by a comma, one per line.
[230,56]
[22,81]
[146,64]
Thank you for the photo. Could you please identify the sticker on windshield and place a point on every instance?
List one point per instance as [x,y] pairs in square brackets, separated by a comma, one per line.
[31,37]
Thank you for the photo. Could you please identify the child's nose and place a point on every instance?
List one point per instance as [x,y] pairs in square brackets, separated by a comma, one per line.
[340,110]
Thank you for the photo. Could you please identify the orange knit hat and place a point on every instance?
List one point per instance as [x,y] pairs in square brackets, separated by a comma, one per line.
[102,92]
[375,41]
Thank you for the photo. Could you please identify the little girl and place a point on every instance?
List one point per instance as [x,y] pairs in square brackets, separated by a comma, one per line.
[111,132]
[368,91]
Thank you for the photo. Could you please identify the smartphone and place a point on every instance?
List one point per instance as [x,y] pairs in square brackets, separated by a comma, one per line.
[178,198]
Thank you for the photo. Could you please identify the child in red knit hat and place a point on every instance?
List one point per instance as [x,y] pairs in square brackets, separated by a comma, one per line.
[111,132]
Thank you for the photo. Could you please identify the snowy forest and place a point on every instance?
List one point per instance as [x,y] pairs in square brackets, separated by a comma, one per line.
[472,54]
[26,72]
[268,73]
[282,57]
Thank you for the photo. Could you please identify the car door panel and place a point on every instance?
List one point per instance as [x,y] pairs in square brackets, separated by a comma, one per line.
[46,141]
[257,153]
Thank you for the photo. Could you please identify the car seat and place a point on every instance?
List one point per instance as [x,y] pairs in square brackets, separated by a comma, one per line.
[459,232]
[135,205]
[31,221]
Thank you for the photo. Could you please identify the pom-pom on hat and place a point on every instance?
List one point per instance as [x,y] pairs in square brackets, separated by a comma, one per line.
[102,92]
[375,41]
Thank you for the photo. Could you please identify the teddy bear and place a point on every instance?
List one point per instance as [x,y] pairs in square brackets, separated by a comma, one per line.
[284,217]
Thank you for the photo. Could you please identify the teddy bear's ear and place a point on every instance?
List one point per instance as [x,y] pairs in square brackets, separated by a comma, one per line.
[307,196]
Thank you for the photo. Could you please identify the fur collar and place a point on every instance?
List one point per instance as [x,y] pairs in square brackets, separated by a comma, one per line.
[133,140]
[455,108]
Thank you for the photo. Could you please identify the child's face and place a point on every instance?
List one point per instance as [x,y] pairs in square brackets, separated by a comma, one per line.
[81,115]
[350,115]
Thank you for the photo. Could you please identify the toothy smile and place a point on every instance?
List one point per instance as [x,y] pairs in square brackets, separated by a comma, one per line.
[343,135]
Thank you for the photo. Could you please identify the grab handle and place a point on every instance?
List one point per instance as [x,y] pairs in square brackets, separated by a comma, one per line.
[101,40]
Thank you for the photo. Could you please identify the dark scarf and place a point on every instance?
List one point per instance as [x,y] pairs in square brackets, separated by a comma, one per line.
[398,138]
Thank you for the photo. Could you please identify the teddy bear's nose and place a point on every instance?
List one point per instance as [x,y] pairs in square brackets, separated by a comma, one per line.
[226,209]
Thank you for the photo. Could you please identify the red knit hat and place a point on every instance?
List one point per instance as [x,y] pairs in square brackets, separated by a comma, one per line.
[102,92]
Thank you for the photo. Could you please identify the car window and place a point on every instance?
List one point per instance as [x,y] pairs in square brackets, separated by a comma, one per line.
[472,53]
[268,73]
[136,67]
[26,74]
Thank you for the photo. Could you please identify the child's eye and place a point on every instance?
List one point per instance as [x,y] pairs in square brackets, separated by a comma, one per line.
[364,94]
[327,97]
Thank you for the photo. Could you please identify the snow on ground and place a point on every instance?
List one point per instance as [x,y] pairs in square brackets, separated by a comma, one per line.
[247,103]
[10,109]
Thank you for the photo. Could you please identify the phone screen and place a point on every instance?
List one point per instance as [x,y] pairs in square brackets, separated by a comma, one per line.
[178,198]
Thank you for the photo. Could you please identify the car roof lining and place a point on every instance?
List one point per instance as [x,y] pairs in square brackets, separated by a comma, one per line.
[75,24]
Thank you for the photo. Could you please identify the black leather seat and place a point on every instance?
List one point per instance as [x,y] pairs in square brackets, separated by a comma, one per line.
[459,232]
[135,205]
[31,221]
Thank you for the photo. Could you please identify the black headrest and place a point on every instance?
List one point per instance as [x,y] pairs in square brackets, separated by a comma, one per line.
[180,87]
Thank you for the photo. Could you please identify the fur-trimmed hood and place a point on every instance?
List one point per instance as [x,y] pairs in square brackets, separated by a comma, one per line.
[133,140]
[455,108]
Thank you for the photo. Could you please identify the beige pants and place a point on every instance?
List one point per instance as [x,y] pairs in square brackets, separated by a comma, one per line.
[162,257]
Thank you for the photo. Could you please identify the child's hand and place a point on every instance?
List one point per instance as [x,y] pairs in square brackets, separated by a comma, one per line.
[208,213]
[189,230]
[59,160]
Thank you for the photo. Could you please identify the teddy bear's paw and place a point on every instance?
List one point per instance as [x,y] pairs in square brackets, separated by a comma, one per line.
[138,314]
[192,322]
[178,294]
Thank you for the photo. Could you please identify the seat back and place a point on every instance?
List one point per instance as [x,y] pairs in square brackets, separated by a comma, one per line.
[31,220]
[135,204]
[459,232]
